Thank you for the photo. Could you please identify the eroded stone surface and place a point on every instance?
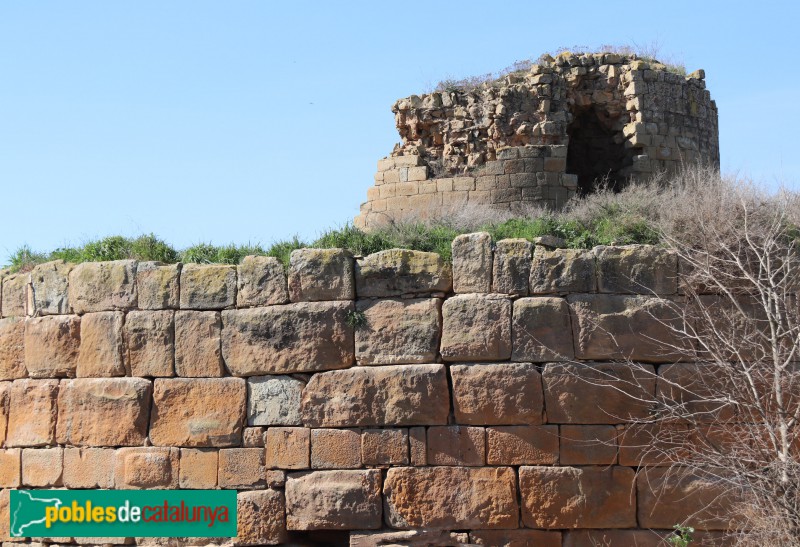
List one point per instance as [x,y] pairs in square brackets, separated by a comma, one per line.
[398,331]
[32,413]
[456,445]
[51,346]
[476,328]
[103,286]
[15,295]
[396,272]
[542,330]
[241,468]
[511,269]
[261,281]
[301,337]
[12,348]
[150,343]
[198,412]
[497,394]
[198,344]
[50,283]
[260,518]
[425,497]
[101,346]
[560,271]
[636,269]
[147,468]
[472,263]
[335,448]
[158,286]
[321,274]
[89,467]
[334,500]
[199,468]
[522,445]
[376,396]
[274,400]
[384,447]
[287,447]
[208,287]
[42,467]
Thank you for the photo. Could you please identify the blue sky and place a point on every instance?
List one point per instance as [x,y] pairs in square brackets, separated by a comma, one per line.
[252,121]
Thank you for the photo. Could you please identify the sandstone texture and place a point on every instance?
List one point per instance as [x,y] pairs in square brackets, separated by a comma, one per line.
[14,298]
[146,468]
[339,500]
[158,286]
[335,448]
[12,348]
[260,281]
[52,346]
[476,328]
[399,271]
[32,411]
[511,269]
[207,287]
[260,518]
[497,394]
[541,330]
[150,343]
[472,263]
[321,274]
[101,345]
[398,331]
[50,284]
[561,271]
[103,286]
[636,269]
[198,344]
[274,400]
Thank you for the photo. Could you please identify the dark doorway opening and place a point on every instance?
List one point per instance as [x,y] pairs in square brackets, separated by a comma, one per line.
[596,151]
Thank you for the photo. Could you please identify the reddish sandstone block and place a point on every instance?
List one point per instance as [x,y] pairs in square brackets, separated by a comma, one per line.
[653,444]
[32,413]
[260,518]
[198,468]
[418,445]
[522,445]
[335,448]
[89,467]
[147,468]
[476,327]
[384,447]
[52,345]
[398,331]
[103,286]
[10,468]
[637,269]
[158,285]
[615,538]
[15,298]
[588,445]
[207,287]
[260,281]
[423,497]
[42,467]
[456,445]
[577,497]
[198,349]
[253,437]
[321,274]
[101,347]
[103,411]
[12,348]
[334,500]
[396,272]
[542,330]
[288,447]
[497,394]
[150,343]
[198,412]
[697,387]
[516,538]
[241,468]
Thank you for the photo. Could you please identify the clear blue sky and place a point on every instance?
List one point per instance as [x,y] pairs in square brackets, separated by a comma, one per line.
[254,120]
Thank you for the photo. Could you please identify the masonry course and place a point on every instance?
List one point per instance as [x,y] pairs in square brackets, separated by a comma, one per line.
[477,404]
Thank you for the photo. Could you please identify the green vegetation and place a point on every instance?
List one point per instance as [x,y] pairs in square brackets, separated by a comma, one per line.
[682,537]
[356,319]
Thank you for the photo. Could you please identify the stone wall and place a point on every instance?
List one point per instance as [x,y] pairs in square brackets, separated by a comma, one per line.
[541,136]
[388,399]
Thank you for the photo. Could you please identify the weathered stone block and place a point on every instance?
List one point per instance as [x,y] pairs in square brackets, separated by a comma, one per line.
[51,346]
[588,444]
[497,394]
[636,269]
[274,400]
[261,281]
[89,467]
[422,497]
[697,388]
[518,538]
[418,445]
[577,497]
[335,448]
[253,437]
[301,337]
[626,327]
[50,284]
[398,395]
[384,447]
[5,396]
[198,468]
[288,447]
[101,345]
[321,274]
[612,538]
[334,500]
[198,412]
[597,393]
[511,269]
[456,445]
[522,445]
[15,295]
[476,328]
[398,331]
[241,468]
[151,468]
[472,263]
[542,330]
[396,272]
[208,287]
[560,271]
[42,467]
[660,443]
[150,343]
[158,286]
[198,344]
[32,413]
[12,348]
[260,518]
[408,538]
[10,468]
[103,412]
[103,286]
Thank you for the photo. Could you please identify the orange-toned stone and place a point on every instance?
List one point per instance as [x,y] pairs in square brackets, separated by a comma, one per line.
[15,301]
[518,538]
[288,447]
[241,468]
[12,348]
[101,348]
[422,497]
[147,468]
[5,396]
[588,444]
[334,500]
[198,468]
[456,445]
[158,285]
[89,467]
[542,330]
[42,467]
[398,331]
[476,327]
[193,412]
[577,497]
[253,437]
[335,448]
[10,468]
[418,445]
[619,538]
[260,518]
[207,287]
[32,413]
[497,394]
[260,281]
[522,445]
[104,411]
[150,343]
[321,274]
[198,350]
[51,346]
[653,444]
[103,286]
[384,447]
